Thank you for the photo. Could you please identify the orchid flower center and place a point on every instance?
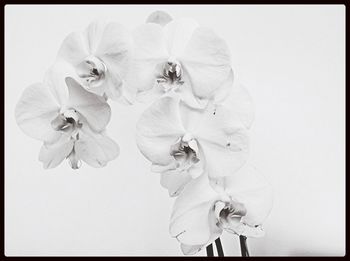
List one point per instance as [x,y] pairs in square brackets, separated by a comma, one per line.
[232,209]
[67,122]
[185,152]
[92,70]
[229,215]
[171,74]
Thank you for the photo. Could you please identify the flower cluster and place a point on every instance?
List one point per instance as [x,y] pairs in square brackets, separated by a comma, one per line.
[195,133]
[68,111]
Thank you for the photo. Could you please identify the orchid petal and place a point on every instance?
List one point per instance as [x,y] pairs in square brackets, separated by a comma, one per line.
[191,221]
[222,160]
[55,79]
[113,87]
[95,149]
[193,228]
[196,170]
[190,250]
[250,188]
[142,75]
[206,60]
[150,95]
[185,93]
[174,181]
[221,93]
[222,137]
[245,230]
[199,191]
[163,168]
[193,249]
[109,40]
[35,111]
[191,117]
[93,34]
[114,49]
[156,149]
[149,43]
[98,90]
[119,90]
[240,103]
[51,155]
[92,107]
[74,48]
[149,51]
[178,34]
[157,129]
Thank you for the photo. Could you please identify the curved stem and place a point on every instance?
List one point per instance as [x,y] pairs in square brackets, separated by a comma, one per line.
[219,247]
[210,251]
[244,248]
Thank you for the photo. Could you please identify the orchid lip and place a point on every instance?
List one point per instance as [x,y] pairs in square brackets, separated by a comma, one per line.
[74,161]
[171,73]
[232,209]
[230,217]
[67,122]
[92,70]
[185,152]
[229,212]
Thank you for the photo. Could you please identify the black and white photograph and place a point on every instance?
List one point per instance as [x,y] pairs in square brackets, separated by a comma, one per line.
[174,130]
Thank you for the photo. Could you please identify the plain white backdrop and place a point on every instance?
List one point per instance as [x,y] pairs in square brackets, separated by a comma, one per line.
[292,61]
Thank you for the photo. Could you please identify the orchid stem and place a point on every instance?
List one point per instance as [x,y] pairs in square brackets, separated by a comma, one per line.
[219,247]
[244,248]
[210,251]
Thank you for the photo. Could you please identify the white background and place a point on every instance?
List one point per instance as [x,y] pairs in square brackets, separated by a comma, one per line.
[291,59]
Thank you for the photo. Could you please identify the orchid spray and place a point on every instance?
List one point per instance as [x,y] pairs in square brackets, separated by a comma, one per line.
[194,131]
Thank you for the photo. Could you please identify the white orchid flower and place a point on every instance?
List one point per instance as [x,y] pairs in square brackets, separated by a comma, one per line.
[180,58]
[201,213]
[182,142]
[69,120]
[100,56]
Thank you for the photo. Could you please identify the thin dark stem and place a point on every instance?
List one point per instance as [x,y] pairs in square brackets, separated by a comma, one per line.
[219,247]
[244,248]
[210,251]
